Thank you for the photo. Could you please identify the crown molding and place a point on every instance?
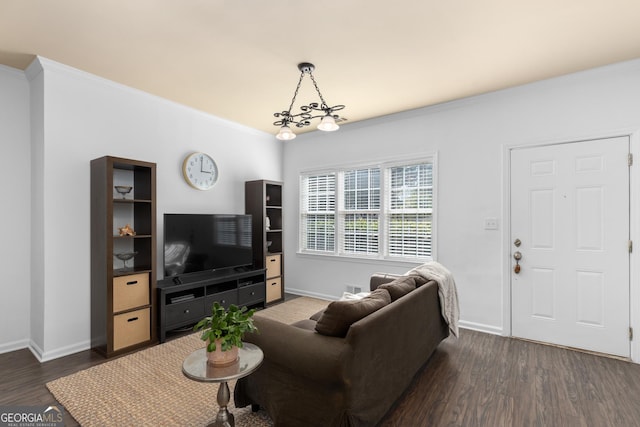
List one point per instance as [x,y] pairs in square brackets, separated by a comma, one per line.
[13,72]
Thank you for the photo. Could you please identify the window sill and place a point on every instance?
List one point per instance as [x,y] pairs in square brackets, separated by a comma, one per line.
[363,260]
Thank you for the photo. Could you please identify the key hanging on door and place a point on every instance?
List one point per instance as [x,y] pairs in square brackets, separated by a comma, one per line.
[517,256]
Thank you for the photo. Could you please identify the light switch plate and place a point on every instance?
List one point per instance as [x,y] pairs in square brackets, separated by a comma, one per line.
[491,224]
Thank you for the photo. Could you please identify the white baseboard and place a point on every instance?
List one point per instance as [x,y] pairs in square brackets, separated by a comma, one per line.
[310,294]
[480,327]
[45,356]
[14,345]
[36,350]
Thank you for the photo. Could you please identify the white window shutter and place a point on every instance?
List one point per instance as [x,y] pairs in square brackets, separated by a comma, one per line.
[318,204]
[409,216]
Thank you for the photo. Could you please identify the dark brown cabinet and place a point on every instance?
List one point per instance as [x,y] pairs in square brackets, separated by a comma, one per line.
[263,201]
[123,295]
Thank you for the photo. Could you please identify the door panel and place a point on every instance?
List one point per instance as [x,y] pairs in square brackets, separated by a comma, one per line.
[542,218]
[570,209]
[543,292]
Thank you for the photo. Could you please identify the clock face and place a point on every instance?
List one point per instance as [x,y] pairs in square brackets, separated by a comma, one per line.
[200,171]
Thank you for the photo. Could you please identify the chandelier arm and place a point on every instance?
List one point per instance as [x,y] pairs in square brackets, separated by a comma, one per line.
[325,108]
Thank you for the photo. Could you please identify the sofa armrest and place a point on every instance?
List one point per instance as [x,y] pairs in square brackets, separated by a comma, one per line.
[395,342]
[302,352]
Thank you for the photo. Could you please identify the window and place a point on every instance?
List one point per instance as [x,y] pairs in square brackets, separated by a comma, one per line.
[318,201]
[410,211]
[378,211]
[360,212]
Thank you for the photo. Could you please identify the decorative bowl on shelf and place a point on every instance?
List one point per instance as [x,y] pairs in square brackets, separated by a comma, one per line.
[123,189]
[125,256]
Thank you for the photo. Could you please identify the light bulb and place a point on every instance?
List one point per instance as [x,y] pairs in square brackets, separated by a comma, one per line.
[285,134]
[328,124]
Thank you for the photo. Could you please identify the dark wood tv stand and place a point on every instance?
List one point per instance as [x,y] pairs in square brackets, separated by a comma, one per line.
[185,301]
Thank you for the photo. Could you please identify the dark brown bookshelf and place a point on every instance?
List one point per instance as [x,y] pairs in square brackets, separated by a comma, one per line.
[123,300]
[263,201]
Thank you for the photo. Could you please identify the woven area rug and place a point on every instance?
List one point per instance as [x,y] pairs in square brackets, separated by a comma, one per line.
[147,388]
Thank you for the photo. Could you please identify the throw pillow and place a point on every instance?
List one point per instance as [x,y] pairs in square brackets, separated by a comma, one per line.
[419,280]
[400,286]
[340,315]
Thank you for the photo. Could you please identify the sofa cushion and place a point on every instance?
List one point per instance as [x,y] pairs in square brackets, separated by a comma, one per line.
[317,315]
[307,324]
[400,286]
[340,315]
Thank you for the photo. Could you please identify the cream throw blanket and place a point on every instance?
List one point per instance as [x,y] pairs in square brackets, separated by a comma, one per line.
[446,291]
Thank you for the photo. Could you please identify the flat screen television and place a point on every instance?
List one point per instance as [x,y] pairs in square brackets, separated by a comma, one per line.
[206,242]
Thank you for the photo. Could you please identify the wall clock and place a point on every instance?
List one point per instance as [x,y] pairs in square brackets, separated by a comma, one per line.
[200,171]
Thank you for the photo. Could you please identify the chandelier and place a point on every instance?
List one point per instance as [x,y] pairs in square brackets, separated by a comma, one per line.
[307,112]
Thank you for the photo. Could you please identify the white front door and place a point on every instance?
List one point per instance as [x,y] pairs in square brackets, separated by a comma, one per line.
[570,211]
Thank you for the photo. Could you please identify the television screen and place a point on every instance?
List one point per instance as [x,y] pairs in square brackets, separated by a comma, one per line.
[206,242]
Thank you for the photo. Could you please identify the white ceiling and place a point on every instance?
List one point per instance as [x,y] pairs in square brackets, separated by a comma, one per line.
[237,59]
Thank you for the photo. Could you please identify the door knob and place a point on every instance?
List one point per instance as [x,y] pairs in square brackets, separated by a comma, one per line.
[517,256]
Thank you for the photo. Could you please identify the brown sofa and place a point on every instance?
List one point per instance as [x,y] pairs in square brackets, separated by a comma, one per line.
[313,379]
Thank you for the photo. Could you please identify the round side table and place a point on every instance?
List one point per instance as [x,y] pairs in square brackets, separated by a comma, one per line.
[196,367]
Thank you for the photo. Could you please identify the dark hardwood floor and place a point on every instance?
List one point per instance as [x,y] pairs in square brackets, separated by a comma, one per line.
[487,380]
[476,380]
[23,378]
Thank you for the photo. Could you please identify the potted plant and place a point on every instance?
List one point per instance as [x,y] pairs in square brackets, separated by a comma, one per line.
[223,332]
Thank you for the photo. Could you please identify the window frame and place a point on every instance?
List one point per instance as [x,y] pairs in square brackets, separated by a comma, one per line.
[383,211]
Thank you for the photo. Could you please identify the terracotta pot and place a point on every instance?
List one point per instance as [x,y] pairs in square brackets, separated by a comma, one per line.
[222,358]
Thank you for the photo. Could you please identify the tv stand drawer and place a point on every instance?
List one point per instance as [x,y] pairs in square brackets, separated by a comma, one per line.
[185,312]
[225,299]
[251,294]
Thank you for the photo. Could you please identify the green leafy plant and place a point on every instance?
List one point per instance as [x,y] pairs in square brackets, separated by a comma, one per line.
[227,325]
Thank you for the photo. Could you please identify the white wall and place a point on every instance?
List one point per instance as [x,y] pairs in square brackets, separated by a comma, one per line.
[15,179]
[86,117]
[470,137]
